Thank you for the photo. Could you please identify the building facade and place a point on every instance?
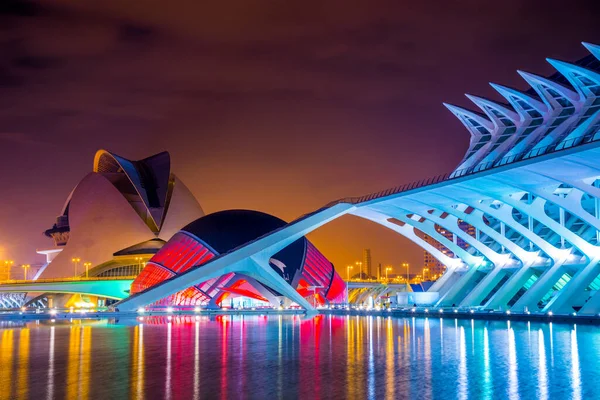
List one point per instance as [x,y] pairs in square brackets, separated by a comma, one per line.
[121,203]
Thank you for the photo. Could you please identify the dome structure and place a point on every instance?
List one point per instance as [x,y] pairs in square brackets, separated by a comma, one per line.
[300,264]
[119,204]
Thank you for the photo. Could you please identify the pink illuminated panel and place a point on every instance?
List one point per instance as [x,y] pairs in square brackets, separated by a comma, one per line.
[178,255]
[318,271]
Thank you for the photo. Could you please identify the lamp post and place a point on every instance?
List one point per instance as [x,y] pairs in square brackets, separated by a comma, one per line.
[407,273]
[360,269]
[348,268]
[87,266]
[387,269]
[25,268]
[7,265]
[75,261]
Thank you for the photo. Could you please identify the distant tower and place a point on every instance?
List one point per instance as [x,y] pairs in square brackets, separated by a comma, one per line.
[367,262]
[379,274]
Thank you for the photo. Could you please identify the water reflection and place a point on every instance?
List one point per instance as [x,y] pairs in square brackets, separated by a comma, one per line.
[137,363]
[50,383]
[575,368]
[23,364]
[513,383]
[294,357]
[542,369]
[487,370]
[463,381]
[197,360]
[389,359]
[6,354]
[371,373]
[427,359]
[168,361]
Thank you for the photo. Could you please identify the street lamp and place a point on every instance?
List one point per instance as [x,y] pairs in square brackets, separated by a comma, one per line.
[407,272]
[7,265]
[360,269]
[387,269]
[87,266]
[348,268]
[75,261]
[25,268]
[426,273]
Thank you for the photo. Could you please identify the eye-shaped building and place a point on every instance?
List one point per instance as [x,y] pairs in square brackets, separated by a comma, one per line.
[300,264]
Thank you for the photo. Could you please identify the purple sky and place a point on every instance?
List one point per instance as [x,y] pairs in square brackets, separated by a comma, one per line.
[278,106]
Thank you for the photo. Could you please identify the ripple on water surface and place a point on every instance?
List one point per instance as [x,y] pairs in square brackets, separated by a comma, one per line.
[295,357]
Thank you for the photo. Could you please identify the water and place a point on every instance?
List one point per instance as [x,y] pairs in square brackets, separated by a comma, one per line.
[287,357]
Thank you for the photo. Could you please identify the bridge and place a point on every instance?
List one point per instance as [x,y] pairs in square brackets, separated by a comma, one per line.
[359,291]
[108,287]
[373,284]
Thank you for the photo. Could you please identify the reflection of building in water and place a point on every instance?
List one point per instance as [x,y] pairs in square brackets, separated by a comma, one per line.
[431,265]
[79,361]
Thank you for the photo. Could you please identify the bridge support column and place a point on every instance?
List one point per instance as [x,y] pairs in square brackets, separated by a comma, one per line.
[487,284]
[562,303]
[592,307]
[442,284]
[510,288]
[260,270]
[273,300]
[540,288]
[455,293]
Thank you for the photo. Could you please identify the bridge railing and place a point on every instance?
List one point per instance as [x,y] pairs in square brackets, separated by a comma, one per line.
[71,279]
[459,173]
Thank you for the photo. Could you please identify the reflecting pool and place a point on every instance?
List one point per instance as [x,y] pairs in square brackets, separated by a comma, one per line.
[288,357]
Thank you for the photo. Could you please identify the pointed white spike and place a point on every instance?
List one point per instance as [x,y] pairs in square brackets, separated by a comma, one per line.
[485,104]
[464,115]
[509,93]
[535,81]
[592,48]
[570,71]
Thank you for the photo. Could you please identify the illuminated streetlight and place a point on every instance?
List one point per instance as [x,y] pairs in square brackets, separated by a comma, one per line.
[360,269]
[348,268]
[407,272]
[25,268]
[7,265]
[76,261]
[87,266]
[387,269]
[426,273]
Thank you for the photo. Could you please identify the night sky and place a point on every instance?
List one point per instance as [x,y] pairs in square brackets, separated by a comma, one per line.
[278,106]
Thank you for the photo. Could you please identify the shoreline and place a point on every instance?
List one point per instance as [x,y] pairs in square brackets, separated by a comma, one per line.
[478,315]
[398,313]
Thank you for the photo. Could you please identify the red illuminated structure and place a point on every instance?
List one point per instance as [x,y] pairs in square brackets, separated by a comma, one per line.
[300,264]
